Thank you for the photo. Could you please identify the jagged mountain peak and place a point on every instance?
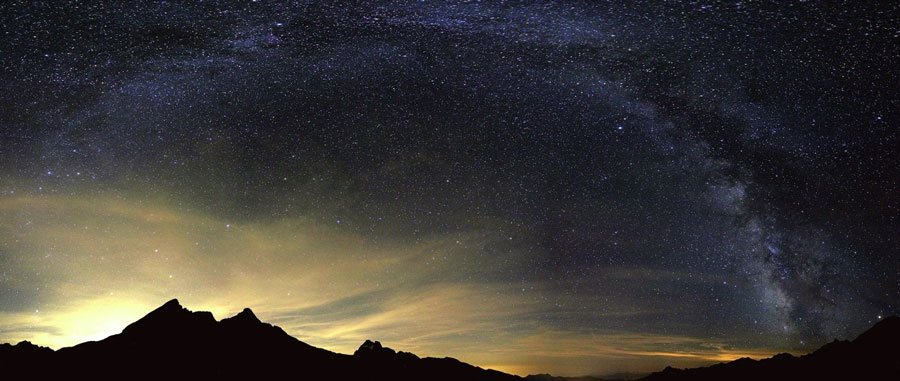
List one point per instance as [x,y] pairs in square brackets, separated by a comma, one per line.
[373,348]
[174,340]
[171,304]
[172,318]
[246,316]
[370,345]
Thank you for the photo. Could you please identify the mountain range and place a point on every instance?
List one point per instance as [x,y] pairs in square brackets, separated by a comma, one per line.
[173,342]
[873,355]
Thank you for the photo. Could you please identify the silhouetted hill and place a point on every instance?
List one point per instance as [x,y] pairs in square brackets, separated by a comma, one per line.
[608,377]
[875,355]
[173,342]
[548,377]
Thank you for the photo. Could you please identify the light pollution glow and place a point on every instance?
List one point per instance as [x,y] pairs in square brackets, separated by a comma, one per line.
[99,262]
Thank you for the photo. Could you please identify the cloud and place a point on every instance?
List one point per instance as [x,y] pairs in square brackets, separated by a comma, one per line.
[579,353]
[102,261]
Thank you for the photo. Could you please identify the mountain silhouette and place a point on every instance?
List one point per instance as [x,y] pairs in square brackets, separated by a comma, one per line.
[173,342]
[548,377]
[874,355]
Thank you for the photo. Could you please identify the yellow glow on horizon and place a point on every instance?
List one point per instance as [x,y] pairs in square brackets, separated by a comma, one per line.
[88,320]
[104,262]
[93,320]
[97,319]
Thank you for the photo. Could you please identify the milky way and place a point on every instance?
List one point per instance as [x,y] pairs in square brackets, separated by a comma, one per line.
[574,187]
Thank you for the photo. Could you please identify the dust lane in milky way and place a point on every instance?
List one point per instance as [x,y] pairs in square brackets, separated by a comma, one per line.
[574,188]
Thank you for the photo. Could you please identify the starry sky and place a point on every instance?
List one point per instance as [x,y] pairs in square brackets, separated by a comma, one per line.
[533,186]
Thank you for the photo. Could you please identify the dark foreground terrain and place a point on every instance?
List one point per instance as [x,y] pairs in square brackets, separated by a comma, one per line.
[174,343]
[874,355]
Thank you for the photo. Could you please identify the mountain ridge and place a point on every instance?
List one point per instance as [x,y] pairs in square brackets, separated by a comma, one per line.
[174,340]
[873,354]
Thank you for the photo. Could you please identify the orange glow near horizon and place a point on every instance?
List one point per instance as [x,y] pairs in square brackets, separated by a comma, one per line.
[106,262]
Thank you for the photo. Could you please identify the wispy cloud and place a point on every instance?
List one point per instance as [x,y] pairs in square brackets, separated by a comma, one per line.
[102,261]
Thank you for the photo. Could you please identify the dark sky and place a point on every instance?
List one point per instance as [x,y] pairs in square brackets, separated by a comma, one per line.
[535,186]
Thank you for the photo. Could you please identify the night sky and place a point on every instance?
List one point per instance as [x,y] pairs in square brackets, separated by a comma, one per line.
[537,186]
